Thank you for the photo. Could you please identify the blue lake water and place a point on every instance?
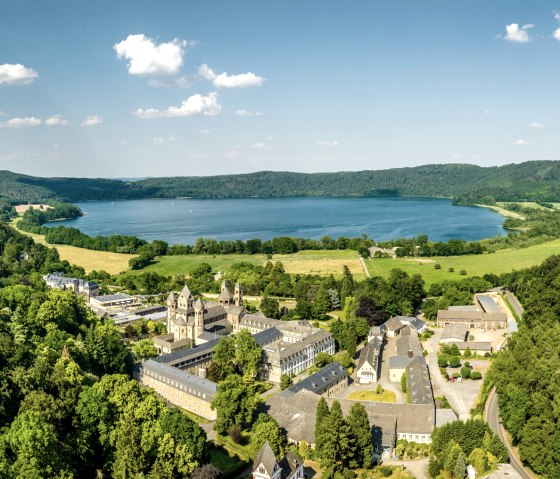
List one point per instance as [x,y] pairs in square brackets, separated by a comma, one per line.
[184,220]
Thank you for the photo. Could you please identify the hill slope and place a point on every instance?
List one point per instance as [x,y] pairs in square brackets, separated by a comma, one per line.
[536,180]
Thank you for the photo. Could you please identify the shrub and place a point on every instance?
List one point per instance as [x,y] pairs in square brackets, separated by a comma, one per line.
[465,372]
[476,375]
[379,390]
[443,361]
[235,434]
[437,266]
[451,270]
[454,362]
[456,375]
[463,272]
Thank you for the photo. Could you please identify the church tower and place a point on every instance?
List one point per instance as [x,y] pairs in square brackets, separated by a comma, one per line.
[171,309]
[198,317]
[225,298]
[238,295]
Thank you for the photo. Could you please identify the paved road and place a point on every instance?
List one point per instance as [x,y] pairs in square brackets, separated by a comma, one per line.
[491,416]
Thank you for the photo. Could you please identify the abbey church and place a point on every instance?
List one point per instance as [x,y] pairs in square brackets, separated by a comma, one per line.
[200,321]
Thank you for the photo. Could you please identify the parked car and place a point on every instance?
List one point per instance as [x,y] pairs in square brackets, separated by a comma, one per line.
[459,380]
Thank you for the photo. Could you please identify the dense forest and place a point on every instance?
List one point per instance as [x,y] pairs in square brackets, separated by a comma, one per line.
[526,373]
[467,184]
[68,407]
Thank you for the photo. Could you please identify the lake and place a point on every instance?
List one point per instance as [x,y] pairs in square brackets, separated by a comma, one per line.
[184,220]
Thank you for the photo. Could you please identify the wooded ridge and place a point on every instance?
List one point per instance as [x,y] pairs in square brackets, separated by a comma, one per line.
[466,184]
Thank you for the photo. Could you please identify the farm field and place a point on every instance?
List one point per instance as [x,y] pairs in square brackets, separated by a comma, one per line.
[499,262]
[321,262]
[113,263]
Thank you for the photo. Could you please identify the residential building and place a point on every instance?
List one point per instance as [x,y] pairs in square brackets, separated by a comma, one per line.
[377,332]
[394,326]
[416,323]
[328,381]
[367,369]
[266,466]
[419,386]
[408,347]
[89,289]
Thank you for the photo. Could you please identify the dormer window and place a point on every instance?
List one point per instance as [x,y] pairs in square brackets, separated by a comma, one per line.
[261,470]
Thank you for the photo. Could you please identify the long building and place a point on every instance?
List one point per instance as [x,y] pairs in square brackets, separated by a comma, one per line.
[179,387]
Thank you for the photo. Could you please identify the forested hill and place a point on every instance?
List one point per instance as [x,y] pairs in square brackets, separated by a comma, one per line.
[537,180]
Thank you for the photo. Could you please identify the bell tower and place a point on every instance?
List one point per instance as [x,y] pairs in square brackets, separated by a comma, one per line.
[198,317]
[238,295]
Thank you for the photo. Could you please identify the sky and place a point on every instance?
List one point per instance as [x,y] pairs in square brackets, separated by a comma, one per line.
[140,88]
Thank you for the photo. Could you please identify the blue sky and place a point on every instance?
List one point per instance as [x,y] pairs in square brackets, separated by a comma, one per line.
[143,88]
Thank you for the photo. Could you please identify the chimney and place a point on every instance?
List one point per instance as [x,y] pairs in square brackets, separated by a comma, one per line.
[410,354]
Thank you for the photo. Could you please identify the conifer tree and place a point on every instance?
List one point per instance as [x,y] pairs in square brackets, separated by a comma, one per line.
[460,470]
[360,437]
[336,441]
[321,419]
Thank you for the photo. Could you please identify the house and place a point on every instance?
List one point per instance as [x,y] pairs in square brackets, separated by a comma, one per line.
[267,467]
[394,326]
[454,333]
[180,388]
[416,323]
[166,344]
[89,289]
[367,369]
[328,381]
[419,386]
[473,316]
[377,332]
[408,347]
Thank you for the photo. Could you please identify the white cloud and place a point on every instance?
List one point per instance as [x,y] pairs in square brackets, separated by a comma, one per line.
[157,140]
[148,58]
[171,138]
[536,125]
[328,143]
[204,132]
[193,105]
[516,34]
[527,26]
[556,14]
[247,113]
[92,120]
[223,80]
[556,34]
[488,112]
[521,141]
[22,122]
[57,120]
[183,82]
[16,74]
[124,142]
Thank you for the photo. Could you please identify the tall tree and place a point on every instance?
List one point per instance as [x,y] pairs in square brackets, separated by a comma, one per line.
[360,436]
[321,424]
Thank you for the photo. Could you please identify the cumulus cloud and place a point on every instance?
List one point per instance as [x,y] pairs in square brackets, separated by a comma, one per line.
[247,113]
[556,14]
[146,57]
[556,34]
[516,34]
[17,74]
[22,122]
[204,132]
[223,80]
[523,142]
[157,140]
[536,125]
[92,120]
[328,143]
[193,105]
[488,112]
[57,120]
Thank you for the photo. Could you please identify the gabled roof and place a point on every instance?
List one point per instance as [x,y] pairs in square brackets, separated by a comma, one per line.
[370,353]
[393,324]
[322,380]
[267,459]
[225,293]
[454,331]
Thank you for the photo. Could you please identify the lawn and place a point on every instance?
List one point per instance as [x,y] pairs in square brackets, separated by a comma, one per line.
[322,262]
[385,396]
[184,264]
[501,261]
[226,461]
[113,263]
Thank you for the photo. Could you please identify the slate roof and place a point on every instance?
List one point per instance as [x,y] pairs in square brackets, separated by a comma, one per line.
[268,336]
[378,330]
[190,382]
[393,324]
[322,380]
[419,384]
[409,342]
[234,309]
[289,464]
[370,353]
[188,356]
[279,350]
[267,458]
[399,362]
[474,345]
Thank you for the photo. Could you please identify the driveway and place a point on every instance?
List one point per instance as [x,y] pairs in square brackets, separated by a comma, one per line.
[418,467]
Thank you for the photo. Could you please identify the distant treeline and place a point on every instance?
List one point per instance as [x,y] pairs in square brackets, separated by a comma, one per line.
[466,184]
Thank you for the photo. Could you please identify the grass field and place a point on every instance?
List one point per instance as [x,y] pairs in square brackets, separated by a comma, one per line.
[90,260]
[501,261]
[302,262]
[385,396]
[322,262]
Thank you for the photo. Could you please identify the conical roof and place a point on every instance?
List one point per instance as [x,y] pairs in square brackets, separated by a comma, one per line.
[186,292]
[172,296]
[199,304]
[225,293]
